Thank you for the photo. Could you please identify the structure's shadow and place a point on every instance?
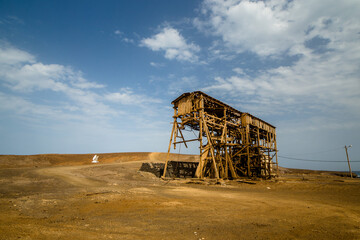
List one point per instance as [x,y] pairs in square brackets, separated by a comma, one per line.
[175,169]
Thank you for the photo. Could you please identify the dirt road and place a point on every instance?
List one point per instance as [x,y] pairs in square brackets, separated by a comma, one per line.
[116,201]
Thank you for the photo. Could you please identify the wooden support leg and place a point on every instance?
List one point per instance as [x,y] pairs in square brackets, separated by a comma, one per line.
[276,152]
[269,163]
[211,147]
[226,163]
[168,154]
[201,165]
[232,169]
[248,160]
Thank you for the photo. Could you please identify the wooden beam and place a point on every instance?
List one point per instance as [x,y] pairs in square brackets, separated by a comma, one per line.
[191,140]
[211,147]
[199,169]
[168,154]
[182,136]
[277,163]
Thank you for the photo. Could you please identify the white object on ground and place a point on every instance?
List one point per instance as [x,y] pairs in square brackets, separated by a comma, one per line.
[95,159]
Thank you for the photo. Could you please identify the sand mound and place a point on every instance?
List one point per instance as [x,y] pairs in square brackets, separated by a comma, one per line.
[44,160]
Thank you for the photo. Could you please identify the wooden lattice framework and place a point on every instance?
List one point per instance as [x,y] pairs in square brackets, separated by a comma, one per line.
[232,143]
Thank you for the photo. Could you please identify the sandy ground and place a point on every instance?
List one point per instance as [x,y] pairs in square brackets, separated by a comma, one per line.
[66,197]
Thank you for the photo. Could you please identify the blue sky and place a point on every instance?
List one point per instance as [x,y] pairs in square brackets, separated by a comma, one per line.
[99,76]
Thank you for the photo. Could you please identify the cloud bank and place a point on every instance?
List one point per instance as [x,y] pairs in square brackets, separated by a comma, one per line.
[36,90]
[324,37]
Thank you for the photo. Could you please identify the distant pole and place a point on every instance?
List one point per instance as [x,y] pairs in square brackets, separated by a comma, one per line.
[347,156]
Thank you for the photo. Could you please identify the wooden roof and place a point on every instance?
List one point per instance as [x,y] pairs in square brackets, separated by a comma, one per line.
[218,102]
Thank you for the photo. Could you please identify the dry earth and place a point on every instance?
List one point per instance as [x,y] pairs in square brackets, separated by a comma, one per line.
[66,197]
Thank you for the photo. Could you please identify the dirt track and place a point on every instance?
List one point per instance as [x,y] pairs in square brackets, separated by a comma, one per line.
[113,200]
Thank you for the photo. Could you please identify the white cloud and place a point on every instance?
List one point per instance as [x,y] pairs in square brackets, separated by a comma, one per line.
[183,84]
[239,71]
[322,82]
[273,27]
[128,97]
[173,44]
[117,32]
[325,37]
[11,21]
[78,81]
[121,35]
[77,97]
[155,64]
[22,106]
[20,72]
[128,40]
[10,55]
[39,76]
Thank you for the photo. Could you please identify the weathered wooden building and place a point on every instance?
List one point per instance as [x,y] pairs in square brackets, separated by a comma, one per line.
[232,143]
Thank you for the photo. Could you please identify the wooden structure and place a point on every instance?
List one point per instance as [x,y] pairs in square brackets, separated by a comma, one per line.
[232,143]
